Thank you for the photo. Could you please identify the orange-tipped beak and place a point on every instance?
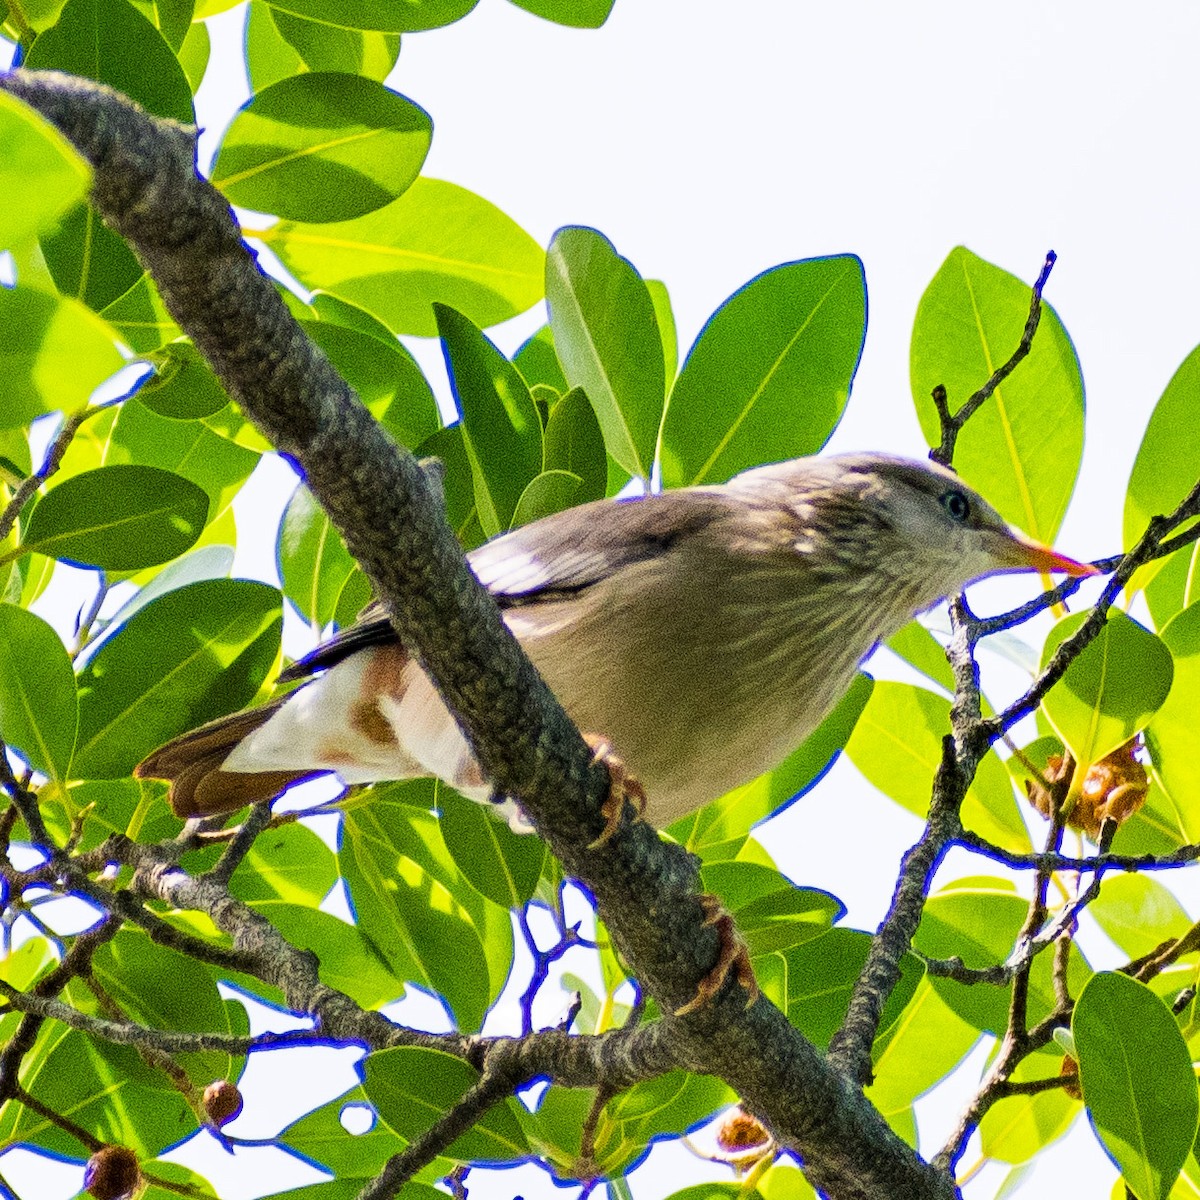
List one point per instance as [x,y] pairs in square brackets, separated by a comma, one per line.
[1034,556]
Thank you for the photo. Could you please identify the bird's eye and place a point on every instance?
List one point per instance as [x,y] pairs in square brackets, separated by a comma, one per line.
[956,505]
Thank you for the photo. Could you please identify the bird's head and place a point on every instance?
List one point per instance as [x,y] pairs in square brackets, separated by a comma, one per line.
[875,519]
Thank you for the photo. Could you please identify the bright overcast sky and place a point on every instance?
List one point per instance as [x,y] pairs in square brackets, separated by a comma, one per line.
[711,140]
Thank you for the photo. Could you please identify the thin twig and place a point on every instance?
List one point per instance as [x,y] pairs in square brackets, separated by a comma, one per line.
[952,423]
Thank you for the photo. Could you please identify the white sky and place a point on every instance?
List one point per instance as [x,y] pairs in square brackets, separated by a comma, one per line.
[712,140]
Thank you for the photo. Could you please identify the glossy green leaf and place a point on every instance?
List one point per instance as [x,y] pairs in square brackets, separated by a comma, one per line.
[194,54]
[538,363]
[385,15]
[607,338]
[141,318]
[1171,583]
[438,242]
[412,1087]
[88,261]
[412,901]
[164,989]
[968,323]
[183,386]
[118,518]
[188,448]
[664,315]
[547,493]
[1017,1128]
[501,428]
[383,373]
[1173,734]
[1137,1079]
[772,914]
[821,974]
[458,485]
[53,354]
[314,563]
[979,920]
[321,1137]
[172,18]
[897,745]
[503,865]
[41,175]
[39,712]
[280,44]
[581,14]
[1138,913]
[573,442]
[1111,690]
[769,375]
[106,1088]
[718,830]
[194,654]
[1168,460]
[324,146]
[113,43]
[921,650]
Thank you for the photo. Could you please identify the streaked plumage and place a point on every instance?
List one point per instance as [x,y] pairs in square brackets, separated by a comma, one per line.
[704,633]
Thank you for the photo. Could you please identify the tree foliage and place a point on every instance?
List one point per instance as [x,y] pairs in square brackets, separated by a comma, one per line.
[114,1028]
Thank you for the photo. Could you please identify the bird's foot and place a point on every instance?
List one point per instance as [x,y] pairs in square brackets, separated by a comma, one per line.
[734,956]
[624,786]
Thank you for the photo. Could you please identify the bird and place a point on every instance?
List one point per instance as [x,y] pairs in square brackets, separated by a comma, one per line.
[698,635]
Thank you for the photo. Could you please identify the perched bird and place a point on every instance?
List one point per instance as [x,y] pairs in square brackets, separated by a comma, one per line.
[704,633]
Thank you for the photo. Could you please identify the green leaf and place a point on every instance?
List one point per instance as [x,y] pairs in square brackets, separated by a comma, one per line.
[183,386]
[141,318]
[573,442]
[39,712]
[1111,690]
[607,338]
[385,15]
[111,42]
[172,18]
[411,1088]
[580,14]
[53,354]
[41,175]
[501,428]
[438,242]
[897,745]
[88,261]
[383,373]
[1168,460]
[314,563]
[1019,1127]
[1172,735]
[164,989]
[194,654]
[665,317]
[769,375]
[1137,1079]
[412,901]
[118,518]
[194,54]
[718,830]
[538,363]
[968,323]
[821,974]
[280,44]
[921,650]
[325,146]
[503,865]
[549,492]
[1138,913]
[771,912]
[321,1137]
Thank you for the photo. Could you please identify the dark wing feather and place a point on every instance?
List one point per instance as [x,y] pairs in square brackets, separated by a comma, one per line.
[562,554]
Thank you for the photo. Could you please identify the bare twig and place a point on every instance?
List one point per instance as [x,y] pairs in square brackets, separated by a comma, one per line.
[952,423]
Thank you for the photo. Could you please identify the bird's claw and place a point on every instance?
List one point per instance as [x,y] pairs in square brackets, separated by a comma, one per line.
[623,786]
[734,956]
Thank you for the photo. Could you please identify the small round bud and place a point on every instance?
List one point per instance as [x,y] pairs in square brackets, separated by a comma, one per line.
[112,1173]
[740,1131]
[1070,1075]
[222,1102]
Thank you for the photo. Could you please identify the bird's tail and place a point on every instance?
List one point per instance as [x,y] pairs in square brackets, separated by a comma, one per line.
[192,764]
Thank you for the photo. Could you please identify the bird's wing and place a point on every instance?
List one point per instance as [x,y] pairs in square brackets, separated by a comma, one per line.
[551,559]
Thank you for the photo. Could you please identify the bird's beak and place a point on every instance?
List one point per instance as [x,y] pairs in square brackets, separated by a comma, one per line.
[1027,555]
